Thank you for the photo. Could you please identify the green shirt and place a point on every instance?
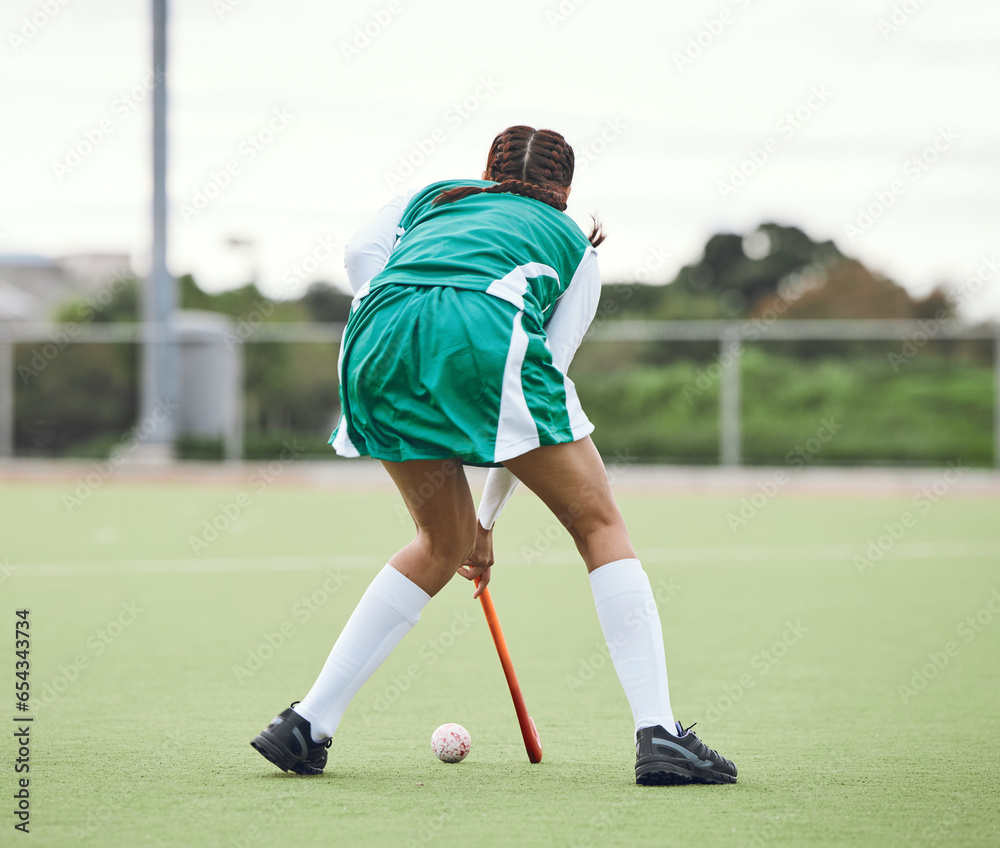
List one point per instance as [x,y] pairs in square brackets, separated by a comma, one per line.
[513,247]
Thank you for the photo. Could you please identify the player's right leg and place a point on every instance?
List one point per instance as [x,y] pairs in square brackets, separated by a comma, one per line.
[437,495]
[571,480]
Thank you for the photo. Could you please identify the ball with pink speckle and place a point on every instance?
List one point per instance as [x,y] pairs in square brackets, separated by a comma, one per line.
[451,743]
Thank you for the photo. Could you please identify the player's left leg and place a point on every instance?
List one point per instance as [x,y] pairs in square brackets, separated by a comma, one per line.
[571,480]
[437,495]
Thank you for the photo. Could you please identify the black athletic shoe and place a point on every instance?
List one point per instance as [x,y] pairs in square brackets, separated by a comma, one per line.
[287,742]
[665,758]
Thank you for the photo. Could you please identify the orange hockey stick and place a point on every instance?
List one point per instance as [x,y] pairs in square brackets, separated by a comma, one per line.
[529,732]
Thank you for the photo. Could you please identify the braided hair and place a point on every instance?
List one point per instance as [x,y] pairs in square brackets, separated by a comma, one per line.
[532,163]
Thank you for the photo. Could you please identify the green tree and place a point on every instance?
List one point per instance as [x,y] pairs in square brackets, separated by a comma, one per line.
[326,303]
[741,270]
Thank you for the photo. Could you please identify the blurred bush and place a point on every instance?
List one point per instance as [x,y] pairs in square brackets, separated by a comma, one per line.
[656,401]
[854,409]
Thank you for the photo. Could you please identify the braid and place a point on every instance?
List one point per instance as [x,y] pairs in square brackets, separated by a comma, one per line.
[531,163]
[555,199]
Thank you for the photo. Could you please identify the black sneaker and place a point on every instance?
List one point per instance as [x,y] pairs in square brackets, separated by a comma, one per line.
[287,742]
[664,758]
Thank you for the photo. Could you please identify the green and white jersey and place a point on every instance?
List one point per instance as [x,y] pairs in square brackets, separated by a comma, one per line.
[465,319]
[542,259]
[455,244]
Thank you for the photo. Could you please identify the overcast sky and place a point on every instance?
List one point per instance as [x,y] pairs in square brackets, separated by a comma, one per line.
[292,122]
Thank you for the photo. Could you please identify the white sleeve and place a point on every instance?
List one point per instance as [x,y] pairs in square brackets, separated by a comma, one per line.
[500,485]
[574,311]
[571,318]
[368,251]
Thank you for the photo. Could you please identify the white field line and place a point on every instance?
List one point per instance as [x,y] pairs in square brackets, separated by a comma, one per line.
[192,565]
[734,553]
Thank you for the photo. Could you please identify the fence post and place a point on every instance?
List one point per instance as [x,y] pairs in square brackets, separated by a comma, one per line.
[996,399]
[6,392]
[730,351]
[233,437]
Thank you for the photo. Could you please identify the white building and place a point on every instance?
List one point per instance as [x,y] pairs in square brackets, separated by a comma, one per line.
[33,287]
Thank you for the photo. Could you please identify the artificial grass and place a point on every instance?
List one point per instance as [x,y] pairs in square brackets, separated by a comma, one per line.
[795,662]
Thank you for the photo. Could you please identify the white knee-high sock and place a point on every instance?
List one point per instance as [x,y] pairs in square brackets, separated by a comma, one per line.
[385,614]
[627,611]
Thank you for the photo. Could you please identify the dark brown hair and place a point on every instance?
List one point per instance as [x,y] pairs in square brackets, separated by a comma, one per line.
[529,162]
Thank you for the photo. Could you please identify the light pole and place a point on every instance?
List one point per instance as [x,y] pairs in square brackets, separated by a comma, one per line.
[159,398]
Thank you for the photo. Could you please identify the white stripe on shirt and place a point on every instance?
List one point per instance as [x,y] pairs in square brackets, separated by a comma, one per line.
[514,284]
[516,427]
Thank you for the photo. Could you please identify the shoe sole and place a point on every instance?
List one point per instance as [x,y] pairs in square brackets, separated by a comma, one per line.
[661,771]
[272,749]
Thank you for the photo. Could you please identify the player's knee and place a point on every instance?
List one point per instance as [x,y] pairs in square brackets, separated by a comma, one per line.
[594,526]
[452,543]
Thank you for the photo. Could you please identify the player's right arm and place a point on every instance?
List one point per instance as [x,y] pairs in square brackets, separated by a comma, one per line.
[368,251]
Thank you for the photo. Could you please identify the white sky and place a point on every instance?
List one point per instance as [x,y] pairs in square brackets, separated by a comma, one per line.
[654,141]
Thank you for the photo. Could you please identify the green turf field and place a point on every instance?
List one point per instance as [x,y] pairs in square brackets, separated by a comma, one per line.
[859,698]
